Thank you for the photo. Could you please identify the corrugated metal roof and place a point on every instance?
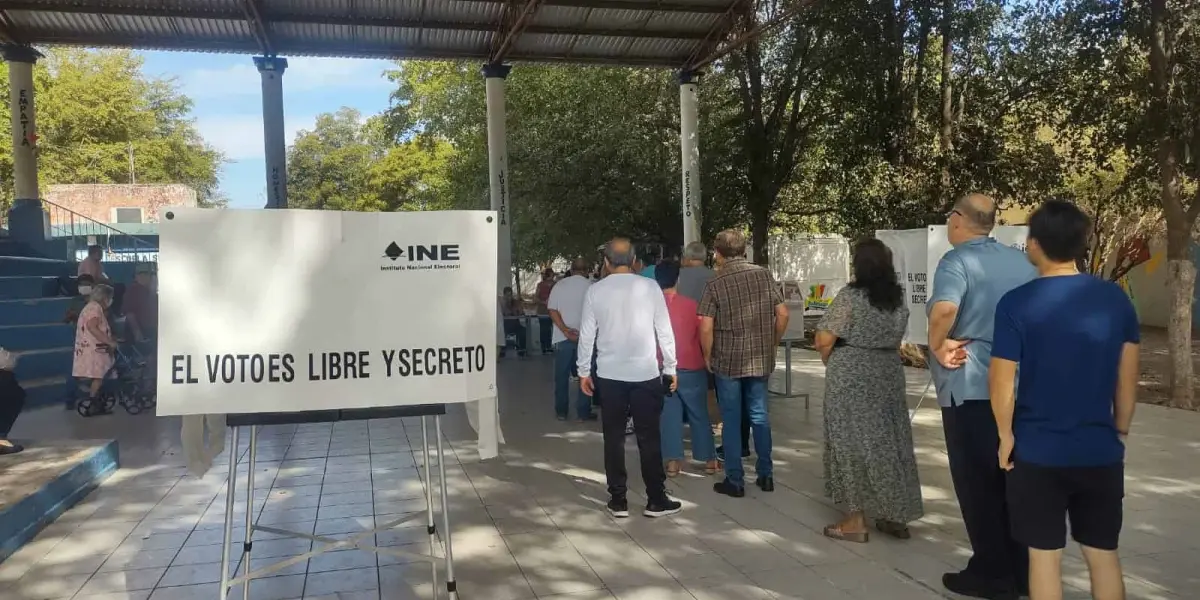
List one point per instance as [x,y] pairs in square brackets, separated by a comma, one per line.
[665,33]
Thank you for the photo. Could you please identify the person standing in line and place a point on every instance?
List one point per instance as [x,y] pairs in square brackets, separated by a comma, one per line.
[689,399]
[625,319]
[545,324]
[565,306]
[969,282]
[870,467]
[692,278]
[1062,437]
[694,274]
[513,314]
[743,317]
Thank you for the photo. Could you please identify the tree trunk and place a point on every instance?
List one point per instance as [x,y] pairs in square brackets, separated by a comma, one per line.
[945,141]
[1181,283]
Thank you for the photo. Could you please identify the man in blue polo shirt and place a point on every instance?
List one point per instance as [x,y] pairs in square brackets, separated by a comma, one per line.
[969,282]
[1062,440]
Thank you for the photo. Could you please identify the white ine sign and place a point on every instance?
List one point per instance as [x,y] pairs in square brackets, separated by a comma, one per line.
[293,310]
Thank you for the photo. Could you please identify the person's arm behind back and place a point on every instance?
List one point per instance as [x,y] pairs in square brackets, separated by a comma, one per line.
[782,314]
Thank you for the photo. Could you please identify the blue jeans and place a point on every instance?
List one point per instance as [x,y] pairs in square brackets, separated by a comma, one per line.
[564,366]
[691,398]
[732,393]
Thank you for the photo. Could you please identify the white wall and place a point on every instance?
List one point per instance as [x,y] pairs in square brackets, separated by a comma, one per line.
[804,263]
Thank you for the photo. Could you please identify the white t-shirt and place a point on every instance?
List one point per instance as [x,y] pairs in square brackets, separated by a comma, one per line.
[567,298]
[625,318]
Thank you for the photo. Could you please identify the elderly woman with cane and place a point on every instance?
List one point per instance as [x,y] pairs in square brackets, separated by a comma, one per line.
[94,347]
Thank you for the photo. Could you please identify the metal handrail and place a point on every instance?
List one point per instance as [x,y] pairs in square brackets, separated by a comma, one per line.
[66,223]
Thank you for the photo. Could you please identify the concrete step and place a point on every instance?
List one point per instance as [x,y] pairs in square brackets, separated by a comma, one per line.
[46,391]
[20,265]
[48,362]
[28,312]
[27,287]
[36,337]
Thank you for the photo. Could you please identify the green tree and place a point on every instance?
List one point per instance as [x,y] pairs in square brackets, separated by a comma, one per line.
[593,152]
[94,109]
[347,162]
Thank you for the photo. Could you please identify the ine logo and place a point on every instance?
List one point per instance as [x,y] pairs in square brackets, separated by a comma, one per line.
[420,257]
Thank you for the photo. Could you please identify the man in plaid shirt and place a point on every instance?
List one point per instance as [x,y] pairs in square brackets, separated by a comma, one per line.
[743,318]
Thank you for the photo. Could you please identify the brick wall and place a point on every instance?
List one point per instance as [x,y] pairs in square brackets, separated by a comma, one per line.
[96,201]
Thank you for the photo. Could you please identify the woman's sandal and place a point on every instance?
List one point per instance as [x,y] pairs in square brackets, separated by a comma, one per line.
[672,468]
[897,530]
[711,467]
[835,532]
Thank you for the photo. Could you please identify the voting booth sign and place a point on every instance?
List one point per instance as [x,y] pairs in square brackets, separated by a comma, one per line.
[266,311]
[916,253]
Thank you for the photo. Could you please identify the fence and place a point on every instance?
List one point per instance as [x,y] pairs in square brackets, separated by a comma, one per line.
[79,232]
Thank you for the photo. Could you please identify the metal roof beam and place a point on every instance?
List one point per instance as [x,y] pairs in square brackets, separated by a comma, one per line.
[513,31]
[253,14]
[745,37]
[8,34]
[267,18]
[194,44]
[666,6]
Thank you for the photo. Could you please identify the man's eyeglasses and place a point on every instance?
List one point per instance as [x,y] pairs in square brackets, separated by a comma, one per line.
[954,212]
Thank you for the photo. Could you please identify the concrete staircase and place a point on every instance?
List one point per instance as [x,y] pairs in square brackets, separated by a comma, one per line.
[31,314]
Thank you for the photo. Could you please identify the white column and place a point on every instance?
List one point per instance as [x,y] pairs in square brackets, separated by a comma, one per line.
[689,146]
[494,76]
[24,120]
[274,139]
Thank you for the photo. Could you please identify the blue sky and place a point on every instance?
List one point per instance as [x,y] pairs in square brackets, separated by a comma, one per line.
[228,105]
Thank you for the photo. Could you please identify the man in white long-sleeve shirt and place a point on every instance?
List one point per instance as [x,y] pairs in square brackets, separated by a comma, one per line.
[625,318]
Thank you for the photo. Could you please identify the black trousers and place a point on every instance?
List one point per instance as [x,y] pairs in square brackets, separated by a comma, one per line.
[643,400]
[12,400]
[972,443]
[546,331]
[516,328]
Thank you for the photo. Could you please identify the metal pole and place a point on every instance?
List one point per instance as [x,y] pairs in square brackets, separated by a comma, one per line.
[787,360]
[247,544]
[689,146]
[229,490]
[451,585]
[271,69]
[430,527]
[494,76]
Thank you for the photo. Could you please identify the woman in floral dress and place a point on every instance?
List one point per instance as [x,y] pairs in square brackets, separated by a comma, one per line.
[94,342]
[870,467]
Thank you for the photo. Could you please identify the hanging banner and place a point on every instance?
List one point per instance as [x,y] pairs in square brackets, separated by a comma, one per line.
[296,310]
[916,253]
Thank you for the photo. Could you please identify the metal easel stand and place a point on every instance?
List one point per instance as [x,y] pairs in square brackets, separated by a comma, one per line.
[912,413]
[787,375]
[329,544]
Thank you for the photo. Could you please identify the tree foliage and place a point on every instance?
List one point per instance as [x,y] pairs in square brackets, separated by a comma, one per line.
[95,108]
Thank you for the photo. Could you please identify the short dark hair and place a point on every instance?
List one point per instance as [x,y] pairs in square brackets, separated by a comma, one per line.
[85,278]
[95,248]
[730,244]
[1061,230]
[667,274]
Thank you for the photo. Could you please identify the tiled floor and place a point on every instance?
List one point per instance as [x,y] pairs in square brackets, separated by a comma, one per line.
[531,525]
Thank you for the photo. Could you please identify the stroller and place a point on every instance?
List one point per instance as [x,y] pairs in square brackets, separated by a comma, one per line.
[130,382]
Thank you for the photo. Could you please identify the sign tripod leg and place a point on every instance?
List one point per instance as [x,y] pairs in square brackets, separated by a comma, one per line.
[451,584]
[247,543]
[430,526]
[229,498]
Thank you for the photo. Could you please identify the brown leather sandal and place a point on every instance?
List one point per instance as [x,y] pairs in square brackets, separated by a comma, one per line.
[711,467]
[672,468]
[835,532]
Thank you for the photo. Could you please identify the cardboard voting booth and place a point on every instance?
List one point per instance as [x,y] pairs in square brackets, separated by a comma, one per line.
[915,253]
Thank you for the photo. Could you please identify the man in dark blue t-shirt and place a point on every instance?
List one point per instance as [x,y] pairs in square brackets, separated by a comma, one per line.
[1062,439]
